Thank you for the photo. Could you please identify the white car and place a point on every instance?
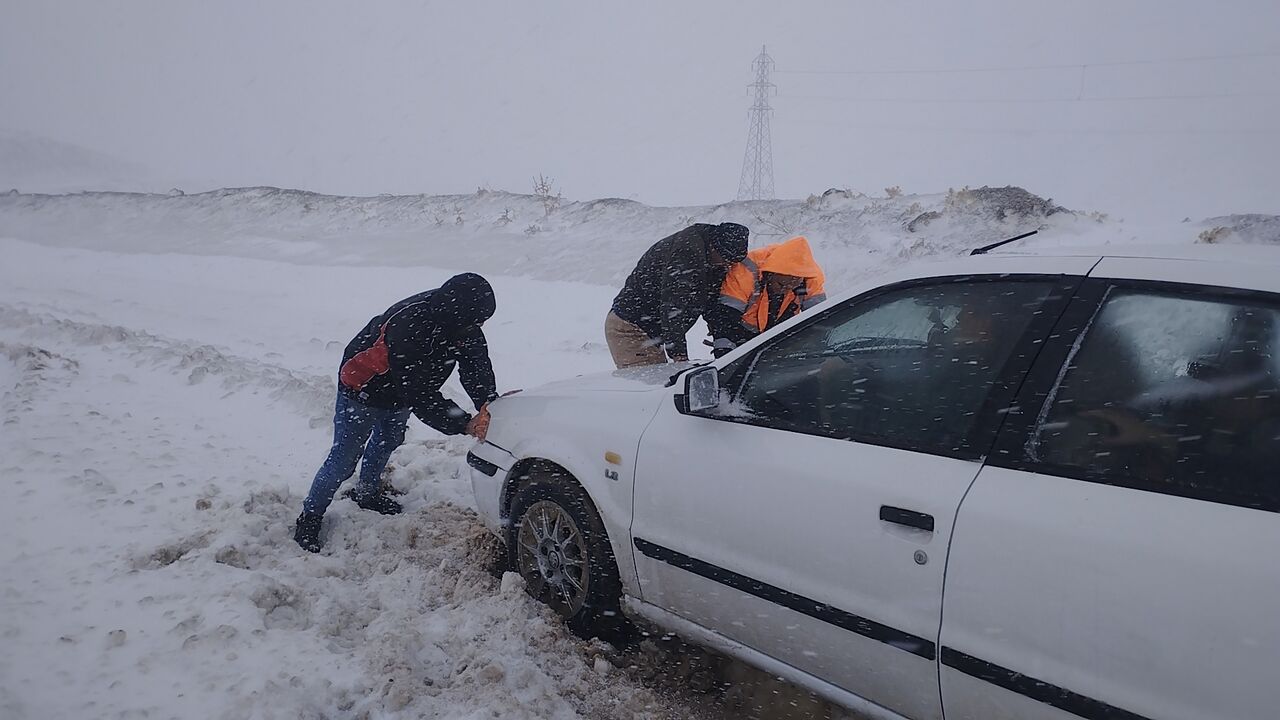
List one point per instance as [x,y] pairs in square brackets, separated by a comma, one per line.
[1011,486]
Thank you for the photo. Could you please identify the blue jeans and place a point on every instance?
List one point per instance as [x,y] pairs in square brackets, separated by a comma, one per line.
[354,425]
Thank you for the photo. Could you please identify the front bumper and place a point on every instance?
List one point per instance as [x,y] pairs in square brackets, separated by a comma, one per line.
[489,465]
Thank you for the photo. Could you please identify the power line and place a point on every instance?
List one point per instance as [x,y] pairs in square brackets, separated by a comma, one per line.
[1060,66]
[1012,101]
[993,130]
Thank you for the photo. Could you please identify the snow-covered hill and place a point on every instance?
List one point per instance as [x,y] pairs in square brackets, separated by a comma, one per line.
[594,241]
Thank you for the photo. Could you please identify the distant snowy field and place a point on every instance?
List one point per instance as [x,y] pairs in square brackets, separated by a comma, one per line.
[594,241]
[166,382]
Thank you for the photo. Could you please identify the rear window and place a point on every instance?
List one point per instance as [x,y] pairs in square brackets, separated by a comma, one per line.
[1173,393]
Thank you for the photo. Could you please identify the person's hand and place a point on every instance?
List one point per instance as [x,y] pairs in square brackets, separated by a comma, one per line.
[1118,428]
[478,427]
[1124,429]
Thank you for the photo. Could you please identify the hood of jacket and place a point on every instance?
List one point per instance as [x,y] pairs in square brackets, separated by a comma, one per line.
[792,257]
[463,300]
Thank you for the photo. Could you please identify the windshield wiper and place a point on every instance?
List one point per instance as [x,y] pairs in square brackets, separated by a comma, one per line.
[983,250]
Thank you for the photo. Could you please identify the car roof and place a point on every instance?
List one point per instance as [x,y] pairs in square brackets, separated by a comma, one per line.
[1232,265]
[1236,265]
[1202,252]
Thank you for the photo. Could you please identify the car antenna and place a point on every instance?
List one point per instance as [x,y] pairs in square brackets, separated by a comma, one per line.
[983,250]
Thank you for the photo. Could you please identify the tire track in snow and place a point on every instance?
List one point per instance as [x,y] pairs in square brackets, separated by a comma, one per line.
[413,600]
[405,607]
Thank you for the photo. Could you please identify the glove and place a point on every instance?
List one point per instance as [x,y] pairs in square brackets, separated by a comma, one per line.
[478,427]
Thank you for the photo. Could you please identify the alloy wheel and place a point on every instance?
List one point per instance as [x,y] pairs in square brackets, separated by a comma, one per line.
[552,557]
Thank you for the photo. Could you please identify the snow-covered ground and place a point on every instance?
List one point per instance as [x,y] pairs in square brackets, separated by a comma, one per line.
[166,379]
[163,415]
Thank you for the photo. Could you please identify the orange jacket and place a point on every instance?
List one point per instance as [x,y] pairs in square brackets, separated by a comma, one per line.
[744,288]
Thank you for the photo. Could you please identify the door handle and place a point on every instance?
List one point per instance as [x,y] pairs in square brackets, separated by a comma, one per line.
[910,518]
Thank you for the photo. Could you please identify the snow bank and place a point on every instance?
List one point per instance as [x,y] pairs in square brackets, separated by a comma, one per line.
[311,395]
[1252,229]
[593,241]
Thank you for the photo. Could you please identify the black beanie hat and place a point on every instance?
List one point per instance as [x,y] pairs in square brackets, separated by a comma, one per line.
[730,240]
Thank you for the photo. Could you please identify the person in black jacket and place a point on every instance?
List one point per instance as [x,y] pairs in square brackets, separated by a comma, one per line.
[674,284]
[393,367]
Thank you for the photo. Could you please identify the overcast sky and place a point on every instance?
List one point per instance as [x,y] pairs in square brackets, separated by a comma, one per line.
[647,100]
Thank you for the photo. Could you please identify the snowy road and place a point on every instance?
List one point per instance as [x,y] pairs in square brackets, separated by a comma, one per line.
[163,415]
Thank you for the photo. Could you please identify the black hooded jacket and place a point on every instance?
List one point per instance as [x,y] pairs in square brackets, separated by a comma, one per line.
[671,287]
[403,356]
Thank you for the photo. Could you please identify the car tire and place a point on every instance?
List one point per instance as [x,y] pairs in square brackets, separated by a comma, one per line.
[558,544]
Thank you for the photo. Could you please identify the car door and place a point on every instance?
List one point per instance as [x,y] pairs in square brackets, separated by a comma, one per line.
[808,516]
[1113,559]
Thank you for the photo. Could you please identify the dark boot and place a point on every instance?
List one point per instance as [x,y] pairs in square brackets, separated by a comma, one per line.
[307,531]
[376,501]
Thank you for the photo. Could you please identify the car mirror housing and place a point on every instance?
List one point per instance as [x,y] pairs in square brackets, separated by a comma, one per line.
[701,389]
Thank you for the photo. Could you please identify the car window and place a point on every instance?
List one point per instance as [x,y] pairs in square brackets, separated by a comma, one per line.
[1174,393]
[909,368]
[908,318]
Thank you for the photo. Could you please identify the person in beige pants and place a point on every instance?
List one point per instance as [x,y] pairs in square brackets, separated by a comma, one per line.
[629,345]
[675,282]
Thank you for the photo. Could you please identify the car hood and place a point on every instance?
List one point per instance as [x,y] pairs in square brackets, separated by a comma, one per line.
[637,379]
[601,410]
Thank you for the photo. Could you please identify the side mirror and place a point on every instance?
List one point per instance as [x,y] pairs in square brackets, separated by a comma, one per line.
[701,389]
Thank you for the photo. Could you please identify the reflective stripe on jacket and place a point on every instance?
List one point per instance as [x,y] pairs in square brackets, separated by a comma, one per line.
[745,287]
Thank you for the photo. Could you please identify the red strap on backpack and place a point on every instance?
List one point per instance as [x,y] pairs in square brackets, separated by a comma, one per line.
[367,364]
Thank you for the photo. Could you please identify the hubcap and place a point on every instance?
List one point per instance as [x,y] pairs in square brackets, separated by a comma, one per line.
[552,557]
